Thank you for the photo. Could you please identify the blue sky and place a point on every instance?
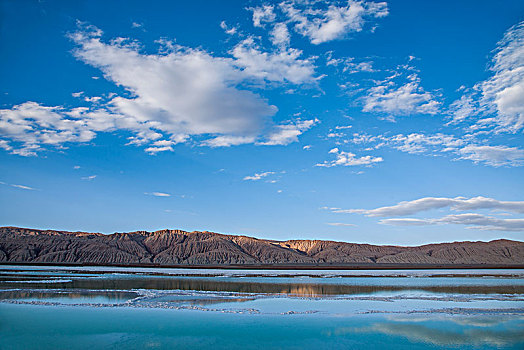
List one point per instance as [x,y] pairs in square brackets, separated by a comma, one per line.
[396,122]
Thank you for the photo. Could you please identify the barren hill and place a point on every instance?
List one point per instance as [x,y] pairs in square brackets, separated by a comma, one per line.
[176,247]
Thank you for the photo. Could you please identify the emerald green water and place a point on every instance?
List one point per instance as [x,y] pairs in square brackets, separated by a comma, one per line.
[56,308]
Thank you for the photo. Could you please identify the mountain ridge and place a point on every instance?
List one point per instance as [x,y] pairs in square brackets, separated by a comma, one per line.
[203,248]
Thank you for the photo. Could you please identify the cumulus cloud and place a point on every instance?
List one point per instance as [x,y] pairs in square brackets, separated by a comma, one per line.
[183,92]
[171,96]
[278,66]
[263,14]
[497,101]
[349,65]
[401,99]
[317,21]
[285,134]
[349,159]
[280,35]
[429,203]
[32,125]
[320,23]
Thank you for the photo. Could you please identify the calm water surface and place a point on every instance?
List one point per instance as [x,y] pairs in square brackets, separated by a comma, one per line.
[93,307]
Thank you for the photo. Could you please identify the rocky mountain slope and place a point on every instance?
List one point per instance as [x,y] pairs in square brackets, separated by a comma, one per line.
[175,247]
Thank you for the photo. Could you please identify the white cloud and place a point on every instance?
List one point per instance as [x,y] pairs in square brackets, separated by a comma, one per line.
[349,65]
[407,222]
[349,159]
[22,187]
[284,65]
[227,141]
[475,221]
[228,30]
[160,146]
[461,109]
[498,100]
[504,91]
[171,97]
[258,176]
[313,20]
[183,92]
[285,134]
[33,125]
[4,144]
[279,35]
[437,144]
[88,178]
[340,224]
[400,100]
[263,14]
[429,203]
[493,155]
[158,194]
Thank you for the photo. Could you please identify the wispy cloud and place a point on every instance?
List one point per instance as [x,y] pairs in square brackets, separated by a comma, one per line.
[466,147]
[158,194]
[474,221]
[258,176]
[340,224]
[22,187]
[429,203]
[402,99]
[496,103]
[349,159]
[89,178]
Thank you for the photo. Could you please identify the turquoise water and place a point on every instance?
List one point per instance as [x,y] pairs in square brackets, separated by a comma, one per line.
[65,308]
[40,327]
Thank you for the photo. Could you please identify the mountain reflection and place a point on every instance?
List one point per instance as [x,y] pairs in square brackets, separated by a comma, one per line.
[32,294]
[209,284]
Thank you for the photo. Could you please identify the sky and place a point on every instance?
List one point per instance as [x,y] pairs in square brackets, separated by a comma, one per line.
[397,122]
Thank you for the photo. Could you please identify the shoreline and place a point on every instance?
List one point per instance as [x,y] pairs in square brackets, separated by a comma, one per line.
[362,266]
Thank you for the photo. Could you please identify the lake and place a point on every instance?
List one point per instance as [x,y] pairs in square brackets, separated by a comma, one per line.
[49,307]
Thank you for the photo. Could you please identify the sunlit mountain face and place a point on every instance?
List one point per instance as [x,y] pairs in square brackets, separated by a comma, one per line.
[397,122]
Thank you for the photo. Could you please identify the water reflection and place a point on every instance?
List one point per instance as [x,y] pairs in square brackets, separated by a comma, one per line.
[440,335]
[210,284]
[112,296]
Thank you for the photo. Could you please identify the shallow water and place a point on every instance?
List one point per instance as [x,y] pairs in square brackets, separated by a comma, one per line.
[57,307]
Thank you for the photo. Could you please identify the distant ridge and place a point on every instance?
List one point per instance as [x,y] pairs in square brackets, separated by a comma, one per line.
[176,247]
